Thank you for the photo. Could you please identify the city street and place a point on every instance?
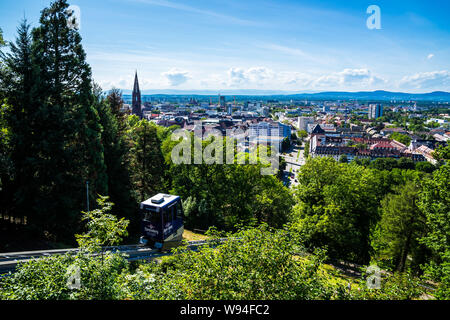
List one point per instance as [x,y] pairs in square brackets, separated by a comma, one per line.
[294,159]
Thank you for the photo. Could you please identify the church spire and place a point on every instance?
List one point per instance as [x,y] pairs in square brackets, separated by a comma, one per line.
[137,103]
[136,83]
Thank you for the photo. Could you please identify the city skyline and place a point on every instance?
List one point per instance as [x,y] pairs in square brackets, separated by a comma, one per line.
[264,45]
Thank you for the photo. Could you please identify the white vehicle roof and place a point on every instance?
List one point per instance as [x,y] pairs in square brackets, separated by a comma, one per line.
[160,200]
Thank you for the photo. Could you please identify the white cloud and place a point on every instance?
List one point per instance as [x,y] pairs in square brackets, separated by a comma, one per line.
[427,80]
[127,83]
[236,77]
[254,76]
[176,77]
[262,77]
[348,77]
[259,74]
[296,79]
[430,56]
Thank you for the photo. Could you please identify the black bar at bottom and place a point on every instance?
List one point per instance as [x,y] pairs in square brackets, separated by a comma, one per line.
[223,309]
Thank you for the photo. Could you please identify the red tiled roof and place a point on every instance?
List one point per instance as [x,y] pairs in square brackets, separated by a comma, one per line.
[382,144]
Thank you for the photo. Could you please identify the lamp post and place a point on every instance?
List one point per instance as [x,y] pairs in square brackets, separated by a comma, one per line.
[87,195]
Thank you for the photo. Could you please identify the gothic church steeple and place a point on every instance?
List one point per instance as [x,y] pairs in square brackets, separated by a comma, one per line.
[137,103]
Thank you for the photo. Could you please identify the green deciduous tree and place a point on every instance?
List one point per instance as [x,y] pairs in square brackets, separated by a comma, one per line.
[402,138]
[343,159]
[442,154]
[434,201]
[146,160]
[307,145]
[104,229]
[425,167]
[302,134]
[401,227]
[336,208]
[286,144]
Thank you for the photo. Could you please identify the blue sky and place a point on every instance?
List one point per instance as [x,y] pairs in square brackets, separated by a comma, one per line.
[291,45]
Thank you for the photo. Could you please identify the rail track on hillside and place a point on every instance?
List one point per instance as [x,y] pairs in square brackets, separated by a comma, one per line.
[9,261]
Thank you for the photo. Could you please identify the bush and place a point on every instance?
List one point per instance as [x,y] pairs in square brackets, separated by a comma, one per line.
[256,265]
[400,286]
[48,278]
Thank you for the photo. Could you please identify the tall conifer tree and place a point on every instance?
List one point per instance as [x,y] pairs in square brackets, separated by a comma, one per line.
[116,156]
[19,87]
[70,149]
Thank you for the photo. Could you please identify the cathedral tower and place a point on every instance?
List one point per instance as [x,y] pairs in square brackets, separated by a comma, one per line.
[137,103]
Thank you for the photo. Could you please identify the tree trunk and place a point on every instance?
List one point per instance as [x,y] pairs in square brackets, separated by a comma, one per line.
[402,263]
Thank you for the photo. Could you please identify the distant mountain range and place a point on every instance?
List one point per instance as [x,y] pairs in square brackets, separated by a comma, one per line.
[381,95]
[440,96]
[241,92]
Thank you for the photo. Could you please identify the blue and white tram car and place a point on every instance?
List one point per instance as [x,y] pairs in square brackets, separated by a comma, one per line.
[162,222]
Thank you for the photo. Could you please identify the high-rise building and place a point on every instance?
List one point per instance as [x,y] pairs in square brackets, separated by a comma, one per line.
[222,102]
[229,109]
[303,123]
[275,129]
[269,133]
[137,102]
[375,111]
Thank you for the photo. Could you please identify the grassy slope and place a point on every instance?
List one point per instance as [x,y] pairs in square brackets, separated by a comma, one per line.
[191,236]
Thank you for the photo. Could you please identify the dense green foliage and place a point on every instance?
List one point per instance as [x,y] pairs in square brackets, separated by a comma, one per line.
[382,211]
[55,133]
[390,164]
[442,154]
[59,132]
[306,148]
[401,227]
[104,229]
[337,207]
[402,138]
[254,264]
[302,134]
[48,278]
[147,165]
[116,154]
[226,195]
[405,121]
[434,201]
[86,275]
[257,265]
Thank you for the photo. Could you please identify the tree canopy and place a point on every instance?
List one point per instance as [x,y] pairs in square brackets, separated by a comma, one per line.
[401,227]
[337,207]
[434,201]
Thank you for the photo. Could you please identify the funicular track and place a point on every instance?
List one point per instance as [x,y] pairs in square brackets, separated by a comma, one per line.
[9,261]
